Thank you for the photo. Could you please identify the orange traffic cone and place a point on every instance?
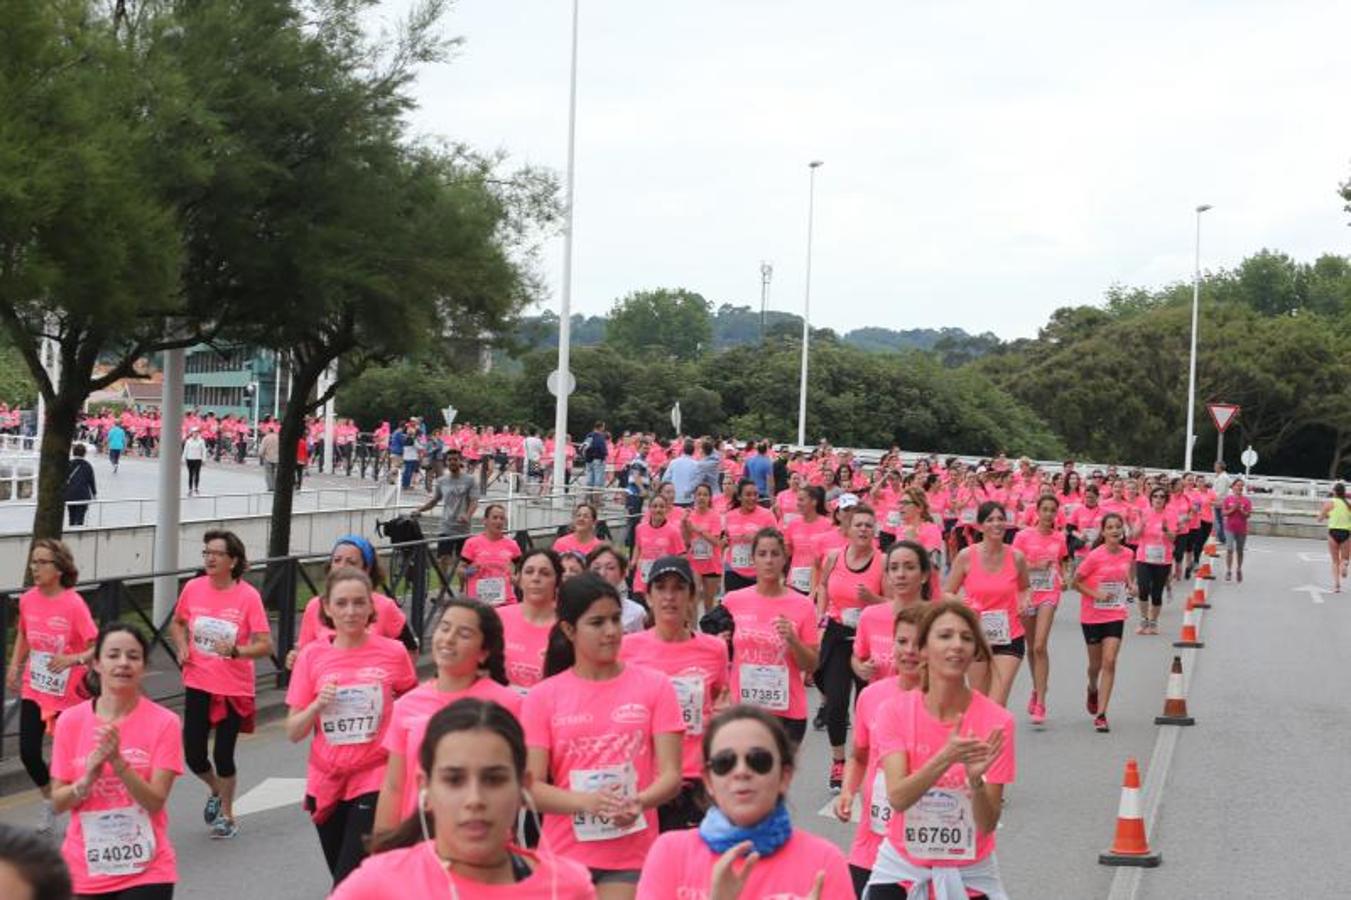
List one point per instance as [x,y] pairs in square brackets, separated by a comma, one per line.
[1200,598]
[1203,571]
[1190,636]
[1175,701]
[1212,549]
[1130,847]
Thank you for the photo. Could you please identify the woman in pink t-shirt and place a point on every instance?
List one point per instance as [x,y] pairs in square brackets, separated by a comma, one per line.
[219,628]
[702,530]
[851,581]
[813,520]
[739,528]
[992,579]
[946,752]
[657,535]
[488,560]
[696,665]
[475,756]
[582,538]
[1154,540]
[526,625]
[53,643]
[355,552]
[917,525]
[746,846]
[114,761]
[906,582]
[862,771]
[341,695]
[468,647]
[775,640]
[604,741]
[1046,552]
[1105,581]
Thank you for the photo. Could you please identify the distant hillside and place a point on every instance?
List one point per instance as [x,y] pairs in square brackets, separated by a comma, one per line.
[737,325]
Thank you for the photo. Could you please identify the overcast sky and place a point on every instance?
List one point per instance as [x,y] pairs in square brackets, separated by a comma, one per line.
[985,162]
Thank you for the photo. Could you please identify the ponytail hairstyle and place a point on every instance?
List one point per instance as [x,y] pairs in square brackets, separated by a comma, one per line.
[489,623]
[575,597]
[818,495]
[465,714]
[91,678]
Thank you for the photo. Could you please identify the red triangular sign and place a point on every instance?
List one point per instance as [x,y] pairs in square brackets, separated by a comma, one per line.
[1222,414]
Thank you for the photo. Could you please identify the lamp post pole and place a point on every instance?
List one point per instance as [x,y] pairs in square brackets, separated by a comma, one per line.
[1191,373]
[807,305]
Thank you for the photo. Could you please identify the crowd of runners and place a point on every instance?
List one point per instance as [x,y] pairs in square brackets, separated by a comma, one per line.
[622,719]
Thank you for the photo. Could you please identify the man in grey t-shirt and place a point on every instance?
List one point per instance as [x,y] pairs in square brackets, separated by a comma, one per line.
[458,492]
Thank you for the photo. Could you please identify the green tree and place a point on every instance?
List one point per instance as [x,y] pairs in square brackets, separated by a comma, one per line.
[672,323]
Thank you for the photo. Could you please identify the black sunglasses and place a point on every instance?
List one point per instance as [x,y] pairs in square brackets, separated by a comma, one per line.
[760,761]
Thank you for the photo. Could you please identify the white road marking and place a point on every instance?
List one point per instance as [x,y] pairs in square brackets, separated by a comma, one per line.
[1314,557]
[271,793]
[1315,593]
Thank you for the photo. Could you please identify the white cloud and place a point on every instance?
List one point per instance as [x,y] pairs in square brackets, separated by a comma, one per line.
[985,161]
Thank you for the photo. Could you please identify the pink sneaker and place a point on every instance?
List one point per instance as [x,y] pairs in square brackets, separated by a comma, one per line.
[1039,715]
[1032,704]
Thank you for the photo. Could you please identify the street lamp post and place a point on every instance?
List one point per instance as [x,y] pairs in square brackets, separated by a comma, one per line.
[565,293]
[1191,374]
[807,305]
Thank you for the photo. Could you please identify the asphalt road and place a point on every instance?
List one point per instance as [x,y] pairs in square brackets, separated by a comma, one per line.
[1246,802]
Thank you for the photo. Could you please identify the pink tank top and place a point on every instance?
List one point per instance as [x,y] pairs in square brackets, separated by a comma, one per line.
[995,596]
[843,604]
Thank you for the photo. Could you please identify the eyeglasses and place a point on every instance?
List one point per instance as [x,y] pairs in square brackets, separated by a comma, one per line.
[212,554]
[758,760]
[42,562]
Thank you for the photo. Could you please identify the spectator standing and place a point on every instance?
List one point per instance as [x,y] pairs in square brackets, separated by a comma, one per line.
[81,486]
[1223,481]
[269,454]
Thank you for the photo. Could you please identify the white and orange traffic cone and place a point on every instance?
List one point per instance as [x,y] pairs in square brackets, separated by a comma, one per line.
[1175,700]
[1204,571]
[1130,847]
[1212,548]
[1190,636]
[1200,598]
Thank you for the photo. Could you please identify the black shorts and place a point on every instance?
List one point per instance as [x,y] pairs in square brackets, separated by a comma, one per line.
[1017,647]
[450,545]
[1094,634]
[1339,535]
[685,810]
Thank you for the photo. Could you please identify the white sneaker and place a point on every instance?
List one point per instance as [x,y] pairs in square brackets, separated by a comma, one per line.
[46,818]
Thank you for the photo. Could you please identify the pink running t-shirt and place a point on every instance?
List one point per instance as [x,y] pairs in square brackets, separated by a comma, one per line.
[875,640]
[53,626]
[1043,553]
[764,671]
[654,542]
[801,537]
[347,755]
[1102,567]
[943,829]
[525,646]
[599,733]
[489,567]
[408,725]
[113,843]
[740,528]
[568,543]
[389,620]
[235,615]
[876,817]
[704,554]
[418,872]
[680,867]
[698,671]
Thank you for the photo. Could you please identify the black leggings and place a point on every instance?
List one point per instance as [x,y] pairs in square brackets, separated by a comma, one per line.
[343,834]
[1199,537]
[194,474]
[1152,578]
[196,728]
[836,679]
[140,892]
[31,733]
[796,728]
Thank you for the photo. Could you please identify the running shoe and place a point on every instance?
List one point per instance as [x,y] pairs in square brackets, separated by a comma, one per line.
[819,723]
[836,775]
[1039,715]
[46,818]
[1228,576]
[1032,704]
[1092,703]
[1143,627]
[212,811]
[1240,576]
[223,829]
[1100,723]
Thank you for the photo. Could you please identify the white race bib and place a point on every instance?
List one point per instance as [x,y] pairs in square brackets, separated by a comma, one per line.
[1155,554]
[995,624]
[800,578]
[645,568]
[1091,535]
[591,827]
[968,517]
[690,694]
[118,841]
[208,631]
[491,591]
[894,518]
[741,556]
[941,825]
[1113,595]
[1041,579]
[879,808]
[354,715]
[700,549]
[850,616]
[42,679]
[765,686]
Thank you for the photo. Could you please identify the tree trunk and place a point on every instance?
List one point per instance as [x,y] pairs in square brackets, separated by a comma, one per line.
[57,435]
[1339,448]
[304,380]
